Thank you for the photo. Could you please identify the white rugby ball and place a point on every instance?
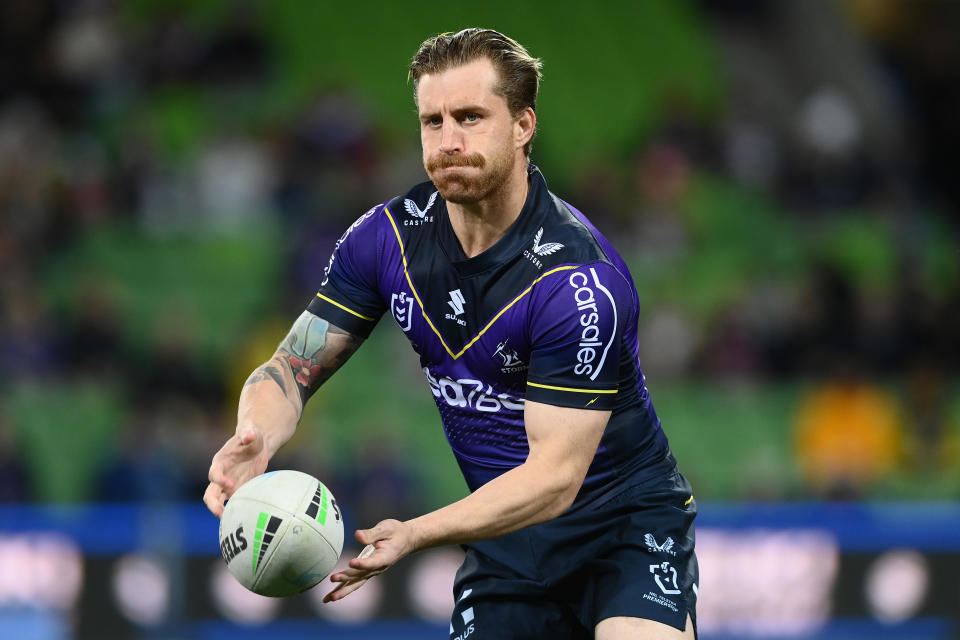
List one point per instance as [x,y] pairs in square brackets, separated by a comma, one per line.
[281,533]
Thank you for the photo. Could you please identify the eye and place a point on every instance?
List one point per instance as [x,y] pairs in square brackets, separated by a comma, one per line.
[471,117]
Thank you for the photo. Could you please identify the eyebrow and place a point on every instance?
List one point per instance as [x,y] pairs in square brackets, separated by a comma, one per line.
[458,113]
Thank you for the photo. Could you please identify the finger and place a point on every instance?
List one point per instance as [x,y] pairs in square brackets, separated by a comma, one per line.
[218,478]
[350,573]
[369,536]
[353,571]
[367,551]
[367,564]
[343,590]
[213,498]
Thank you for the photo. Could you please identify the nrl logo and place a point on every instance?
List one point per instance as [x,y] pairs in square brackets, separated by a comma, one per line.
[402,306]
[666,547]
[419,215]
[540,250]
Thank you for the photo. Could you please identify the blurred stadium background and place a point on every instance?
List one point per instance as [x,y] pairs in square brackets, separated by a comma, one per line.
[173,176]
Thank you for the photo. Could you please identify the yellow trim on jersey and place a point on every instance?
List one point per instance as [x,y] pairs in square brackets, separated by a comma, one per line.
[689,500]
[337,304]
[547,386]
[453,355]
[513,302]
[403,254]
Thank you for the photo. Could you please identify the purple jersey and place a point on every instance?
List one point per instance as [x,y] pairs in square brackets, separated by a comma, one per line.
[549,314]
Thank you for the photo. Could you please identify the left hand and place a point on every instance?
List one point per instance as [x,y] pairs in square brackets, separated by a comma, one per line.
[387,542]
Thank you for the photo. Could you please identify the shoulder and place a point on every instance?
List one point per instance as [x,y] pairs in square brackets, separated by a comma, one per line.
[587,242]
[568,243]
[366,224]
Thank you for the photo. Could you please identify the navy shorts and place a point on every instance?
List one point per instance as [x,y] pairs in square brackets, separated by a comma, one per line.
[629,555]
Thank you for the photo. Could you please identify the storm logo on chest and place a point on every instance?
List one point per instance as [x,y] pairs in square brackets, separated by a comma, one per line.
[511,361]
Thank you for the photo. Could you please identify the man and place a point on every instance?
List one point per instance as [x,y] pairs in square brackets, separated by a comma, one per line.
[578,523]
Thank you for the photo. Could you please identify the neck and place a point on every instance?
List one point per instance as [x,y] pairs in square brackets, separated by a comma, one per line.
[478,226]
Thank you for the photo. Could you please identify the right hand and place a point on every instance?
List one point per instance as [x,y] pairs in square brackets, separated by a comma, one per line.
[243,457]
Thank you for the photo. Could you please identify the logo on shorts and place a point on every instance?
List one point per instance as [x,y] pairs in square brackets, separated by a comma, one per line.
[653,547]
[467,616]
[402,307]
[666,577]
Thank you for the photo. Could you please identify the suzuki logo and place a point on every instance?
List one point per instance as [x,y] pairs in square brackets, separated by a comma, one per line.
[456,302]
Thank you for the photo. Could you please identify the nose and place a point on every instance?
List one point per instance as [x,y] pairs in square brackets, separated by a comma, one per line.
[451,141]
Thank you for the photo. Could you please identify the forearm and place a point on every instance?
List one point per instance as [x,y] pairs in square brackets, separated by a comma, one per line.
[271,402]
[531,493]
[275,393]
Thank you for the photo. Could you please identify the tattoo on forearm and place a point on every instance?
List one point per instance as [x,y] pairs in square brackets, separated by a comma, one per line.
[268,371]
[314,349]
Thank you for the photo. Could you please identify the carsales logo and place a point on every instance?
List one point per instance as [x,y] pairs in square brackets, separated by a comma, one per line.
[591,345]
[473,394]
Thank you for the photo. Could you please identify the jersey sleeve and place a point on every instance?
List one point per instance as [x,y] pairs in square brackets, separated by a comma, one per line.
[348,295]
[577,332]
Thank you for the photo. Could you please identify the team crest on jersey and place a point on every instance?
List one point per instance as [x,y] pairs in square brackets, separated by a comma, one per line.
[537,251]
[402,307]
[419,215]
[511,359]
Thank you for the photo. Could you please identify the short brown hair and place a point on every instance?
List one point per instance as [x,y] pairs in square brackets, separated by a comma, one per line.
[519,72]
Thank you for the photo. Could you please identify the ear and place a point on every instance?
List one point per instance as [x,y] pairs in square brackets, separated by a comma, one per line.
[523,127]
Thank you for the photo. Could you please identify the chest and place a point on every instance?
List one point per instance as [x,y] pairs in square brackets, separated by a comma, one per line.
[463,328]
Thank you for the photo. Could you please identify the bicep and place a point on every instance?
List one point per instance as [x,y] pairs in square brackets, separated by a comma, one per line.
[313,351]
[564,438]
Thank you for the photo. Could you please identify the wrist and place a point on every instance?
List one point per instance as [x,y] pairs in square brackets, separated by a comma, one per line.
[417,539]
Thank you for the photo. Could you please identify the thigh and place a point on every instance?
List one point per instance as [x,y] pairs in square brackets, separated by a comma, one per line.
[622,628]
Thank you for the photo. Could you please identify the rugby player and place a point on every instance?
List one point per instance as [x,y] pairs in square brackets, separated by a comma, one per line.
[578,523]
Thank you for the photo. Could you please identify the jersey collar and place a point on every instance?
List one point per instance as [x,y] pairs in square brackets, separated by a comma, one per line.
[518,236]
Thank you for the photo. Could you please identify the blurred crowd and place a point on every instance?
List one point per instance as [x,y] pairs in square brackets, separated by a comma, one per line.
[822,186]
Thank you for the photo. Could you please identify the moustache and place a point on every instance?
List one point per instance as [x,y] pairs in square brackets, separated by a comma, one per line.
[457,160]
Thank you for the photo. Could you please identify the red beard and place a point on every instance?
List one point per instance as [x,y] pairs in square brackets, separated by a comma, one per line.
[465,187]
